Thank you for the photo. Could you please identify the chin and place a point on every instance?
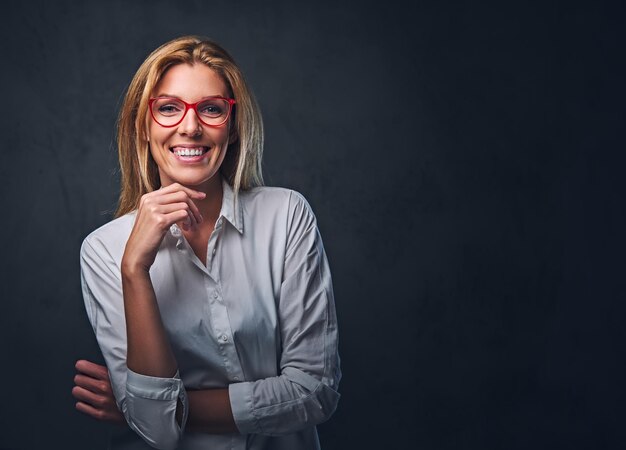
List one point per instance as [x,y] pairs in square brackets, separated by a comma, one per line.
[192,180]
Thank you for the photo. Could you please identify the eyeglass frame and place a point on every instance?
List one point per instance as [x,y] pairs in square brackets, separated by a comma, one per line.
[194,106]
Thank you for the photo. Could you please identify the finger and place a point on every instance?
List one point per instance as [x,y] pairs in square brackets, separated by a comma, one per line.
[194,220]
[180,214]
[87,396]
[90,410]
[92,384]
[184,225]
[171,207]
[113,416]
[188,222]
[181,217]
[91,369]
[174,187]
[179,197]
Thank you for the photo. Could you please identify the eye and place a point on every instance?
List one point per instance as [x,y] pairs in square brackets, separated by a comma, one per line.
[213,108]
[168,107]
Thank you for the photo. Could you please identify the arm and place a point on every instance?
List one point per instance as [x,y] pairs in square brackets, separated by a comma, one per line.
[305,391]
[149,351]
[148,348]
[93,390]
[122,308]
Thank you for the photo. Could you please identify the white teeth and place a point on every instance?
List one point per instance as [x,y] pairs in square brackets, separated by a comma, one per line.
[188,151]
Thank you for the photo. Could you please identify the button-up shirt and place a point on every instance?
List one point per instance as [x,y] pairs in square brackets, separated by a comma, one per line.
[257,318]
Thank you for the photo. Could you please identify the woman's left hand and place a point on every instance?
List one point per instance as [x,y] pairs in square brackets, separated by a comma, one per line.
[94,393]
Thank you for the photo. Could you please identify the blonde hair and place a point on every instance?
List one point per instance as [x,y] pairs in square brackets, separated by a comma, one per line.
[139,172]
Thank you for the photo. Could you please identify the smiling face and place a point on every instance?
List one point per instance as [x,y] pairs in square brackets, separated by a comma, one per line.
[189,153]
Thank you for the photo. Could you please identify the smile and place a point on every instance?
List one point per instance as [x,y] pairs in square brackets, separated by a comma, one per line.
[189,151]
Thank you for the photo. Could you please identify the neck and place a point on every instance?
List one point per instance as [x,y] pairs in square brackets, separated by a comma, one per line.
[211,205]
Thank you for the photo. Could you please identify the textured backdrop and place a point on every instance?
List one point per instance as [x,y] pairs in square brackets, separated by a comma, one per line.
[465,163]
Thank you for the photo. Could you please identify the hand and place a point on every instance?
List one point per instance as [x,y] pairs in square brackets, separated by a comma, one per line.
[157,212]
[94,394]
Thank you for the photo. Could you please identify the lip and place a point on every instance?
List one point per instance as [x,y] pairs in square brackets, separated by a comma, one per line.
[190,159]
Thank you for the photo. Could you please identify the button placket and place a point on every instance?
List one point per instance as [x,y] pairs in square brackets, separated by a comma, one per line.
[213,240]
[223,333]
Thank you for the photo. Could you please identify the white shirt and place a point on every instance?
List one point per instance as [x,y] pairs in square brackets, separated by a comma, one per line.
[258,318]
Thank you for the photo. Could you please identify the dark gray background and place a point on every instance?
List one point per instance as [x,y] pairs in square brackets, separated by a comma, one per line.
[465,162]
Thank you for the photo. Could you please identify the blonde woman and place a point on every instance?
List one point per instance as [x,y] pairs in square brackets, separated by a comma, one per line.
[210,295]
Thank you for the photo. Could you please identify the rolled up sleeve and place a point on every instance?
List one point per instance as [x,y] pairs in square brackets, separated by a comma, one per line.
[148,403]
[151,403]
[306,391]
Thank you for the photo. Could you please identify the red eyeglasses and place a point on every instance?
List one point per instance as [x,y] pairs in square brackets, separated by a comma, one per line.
[170,111]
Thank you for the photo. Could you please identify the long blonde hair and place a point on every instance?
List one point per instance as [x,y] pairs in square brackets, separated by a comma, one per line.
[139,172]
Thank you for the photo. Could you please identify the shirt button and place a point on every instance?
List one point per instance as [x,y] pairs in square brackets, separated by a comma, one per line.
[214,294]
[224,338]
[214,250]
[236,378]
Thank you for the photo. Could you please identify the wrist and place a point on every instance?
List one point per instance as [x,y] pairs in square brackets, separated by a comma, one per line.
[133,269]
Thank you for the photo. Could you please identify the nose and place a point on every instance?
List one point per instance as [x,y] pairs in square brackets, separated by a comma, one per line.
[190,125]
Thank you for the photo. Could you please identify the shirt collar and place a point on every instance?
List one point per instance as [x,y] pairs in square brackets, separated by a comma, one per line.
[232,209]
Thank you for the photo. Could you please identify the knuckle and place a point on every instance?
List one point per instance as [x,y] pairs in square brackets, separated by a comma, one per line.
[102,386]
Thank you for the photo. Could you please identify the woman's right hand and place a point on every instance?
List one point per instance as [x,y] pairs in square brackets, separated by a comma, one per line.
[157,212]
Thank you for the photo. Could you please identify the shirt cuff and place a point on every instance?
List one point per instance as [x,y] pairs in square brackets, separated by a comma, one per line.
[242,406]
[152,403]
[154,388]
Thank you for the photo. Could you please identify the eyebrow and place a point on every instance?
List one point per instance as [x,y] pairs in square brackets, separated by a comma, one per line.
[176,96]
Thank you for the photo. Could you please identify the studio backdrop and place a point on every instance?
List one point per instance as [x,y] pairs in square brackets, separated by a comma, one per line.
[465,167]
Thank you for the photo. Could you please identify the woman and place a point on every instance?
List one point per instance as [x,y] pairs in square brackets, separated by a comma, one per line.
[210,295]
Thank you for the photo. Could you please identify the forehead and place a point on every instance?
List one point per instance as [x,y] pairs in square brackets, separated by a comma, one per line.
[191,82]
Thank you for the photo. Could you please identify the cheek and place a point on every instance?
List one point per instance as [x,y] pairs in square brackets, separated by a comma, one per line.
[220,135]
[158,136]
[152,131]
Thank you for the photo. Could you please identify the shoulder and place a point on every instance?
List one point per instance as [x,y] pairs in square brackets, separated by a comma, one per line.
[275,200]
[110,238]
[285,211]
